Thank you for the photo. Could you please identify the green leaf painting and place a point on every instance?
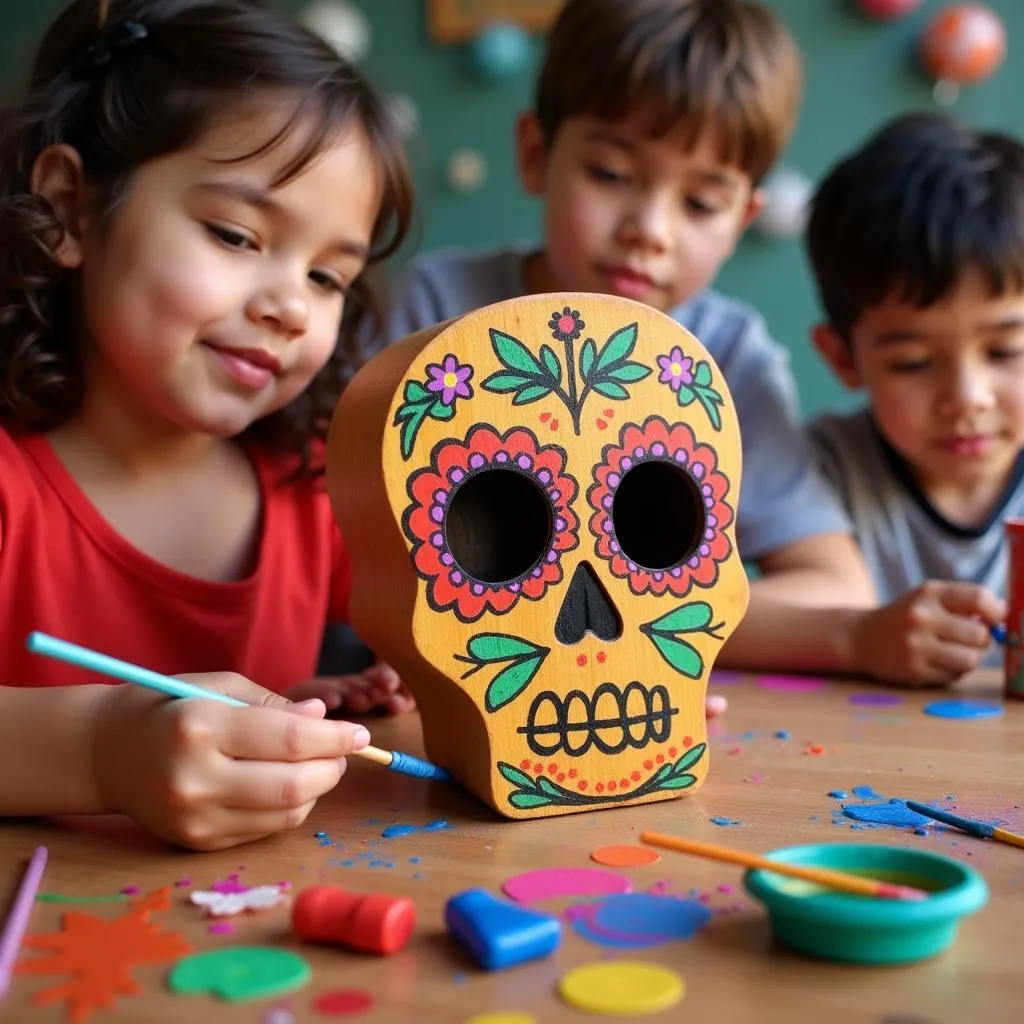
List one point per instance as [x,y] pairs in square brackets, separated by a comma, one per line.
[447,383]
[666,632]
[521,660]
[692,382]
[514,354]
[529,378]
[530,791]
[617,348]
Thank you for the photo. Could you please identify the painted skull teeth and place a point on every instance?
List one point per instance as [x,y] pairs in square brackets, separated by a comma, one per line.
[611,719]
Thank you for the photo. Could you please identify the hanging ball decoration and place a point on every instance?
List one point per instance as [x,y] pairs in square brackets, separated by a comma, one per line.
[887,10]
[501,50]
[340,24]
[405,115]
[467,170]
[787,200]
[963,44]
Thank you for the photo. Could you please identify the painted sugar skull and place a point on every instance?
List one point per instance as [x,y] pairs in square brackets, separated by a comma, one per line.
[540,499]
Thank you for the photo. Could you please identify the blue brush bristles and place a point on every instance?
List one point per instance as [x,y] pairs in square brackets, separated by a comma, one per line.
[409,765]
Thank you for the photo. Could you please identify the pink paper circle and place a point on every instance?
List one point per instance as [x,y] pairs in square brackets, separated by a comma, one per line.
[554,883]
[790,684]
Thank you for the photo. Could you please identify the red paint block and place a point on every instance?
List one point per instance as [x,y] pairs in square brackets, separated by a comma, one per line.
[375,923]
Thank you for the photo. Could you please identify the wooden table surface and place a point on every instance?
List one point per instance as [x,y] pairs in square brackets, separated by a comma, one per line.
[763,776]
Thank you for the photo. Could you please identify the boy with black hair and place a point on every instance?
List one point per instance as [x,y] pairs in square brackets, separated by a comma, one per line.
[917,244]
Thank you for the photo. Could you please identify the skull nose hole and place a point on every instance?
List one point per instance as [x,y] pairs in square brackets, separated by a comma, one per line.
[498,526]
[658,515]
[587,608]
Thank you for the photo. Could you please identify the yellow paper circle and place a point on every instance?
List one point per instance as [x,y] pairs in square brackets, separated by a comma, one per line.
[502,1017]
[626,987]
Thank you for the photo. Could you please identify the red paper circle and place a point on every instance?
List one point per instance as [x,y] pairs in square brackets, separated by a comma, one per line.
[342,1001]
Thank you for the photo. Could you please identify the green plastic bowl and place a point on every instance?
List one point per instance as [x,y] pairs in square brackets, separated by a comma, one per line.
[867,929]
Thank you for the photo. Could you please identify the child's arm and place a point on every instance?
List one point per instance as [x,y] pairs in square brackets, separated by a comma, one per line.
[931,636]
[46,750]
[823,578]
[196,772]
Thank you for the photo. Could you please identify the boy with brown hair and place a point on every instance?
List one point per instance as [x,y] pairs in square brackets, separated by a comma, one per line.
[654,124]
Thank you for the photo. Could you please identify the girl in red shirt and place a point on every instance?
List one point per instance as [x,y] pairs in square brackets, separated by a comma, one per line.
[190,191]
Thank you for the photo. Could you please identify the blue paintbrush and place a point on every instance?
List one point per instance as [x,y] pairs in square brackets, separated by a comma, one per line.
[51,647]
[971,827]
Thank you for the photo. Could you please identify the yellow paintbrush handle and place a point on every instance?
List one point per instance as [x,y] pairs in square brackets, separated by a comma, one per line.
[1008,837]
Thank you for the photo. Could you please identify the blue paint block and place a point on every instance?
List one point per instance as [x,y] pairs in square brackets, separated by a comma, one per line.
[498,933]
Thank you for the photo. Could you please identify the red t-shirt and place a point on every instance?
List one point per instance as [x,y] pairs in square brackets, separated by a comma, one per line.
[65,571]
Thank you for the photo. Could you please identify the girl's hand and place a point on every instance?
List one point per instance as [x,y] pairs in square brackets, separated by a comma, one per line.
[208,775]
[930,636]
[376,687]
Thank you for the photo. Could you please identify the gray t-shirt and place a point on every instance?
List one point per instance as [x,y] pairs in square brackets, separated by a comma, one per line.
[905,540]
[783,498]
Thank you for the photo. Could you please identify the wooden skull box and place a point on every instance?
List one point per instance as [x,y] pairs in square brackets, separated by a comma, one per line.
[540,499]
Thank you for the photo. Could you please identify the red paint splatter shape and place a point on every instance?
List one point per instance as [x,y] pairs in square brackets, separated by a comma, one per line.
[343,1001]
[99,955]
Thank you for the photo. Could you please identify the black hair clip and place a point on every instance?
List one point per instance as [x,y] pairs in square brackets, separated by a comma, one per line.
[122,36]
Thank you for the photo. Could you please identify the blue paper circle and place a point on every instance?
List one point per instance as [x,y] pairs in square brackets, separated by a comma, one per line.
[963,709]
[638,920]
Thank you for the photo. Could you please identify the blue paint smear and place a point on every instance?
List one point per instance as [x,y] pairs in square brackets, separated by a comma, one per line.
[866,793]
[725,822]
[782,734]
[893,812]
[396,831]
[839,794]
[639,920]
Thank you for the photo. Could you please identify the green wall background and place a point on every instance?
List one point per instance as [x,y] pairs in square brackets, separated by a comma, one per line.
[859,72]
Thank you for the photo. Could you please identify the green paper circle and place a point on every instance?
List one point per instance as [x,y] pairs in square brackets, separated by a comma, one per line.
[240,972]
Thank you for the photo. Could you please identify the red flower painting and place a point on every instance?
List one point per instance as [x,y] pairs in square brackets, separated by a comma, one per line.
[431,489]
[655,440]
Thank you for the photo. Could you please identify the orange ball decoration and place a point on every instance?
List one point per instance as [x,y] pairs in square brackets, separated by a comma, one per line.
[964,43]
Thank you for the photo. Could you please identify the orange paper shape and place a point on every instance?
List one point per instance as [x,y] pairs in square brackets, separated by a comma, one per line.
[100,955]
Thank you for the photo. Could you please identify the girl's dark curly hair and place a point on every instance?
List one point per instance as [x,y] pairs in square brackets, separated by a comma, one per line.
[149,99]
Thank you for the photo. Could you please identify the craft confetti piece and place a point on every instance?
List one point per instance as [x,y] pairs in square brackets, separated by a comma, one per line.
[99,955]
[226,904]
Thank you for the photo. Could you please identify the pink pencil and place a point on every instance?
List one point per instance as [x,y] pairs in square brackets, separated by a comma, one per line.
[17,919]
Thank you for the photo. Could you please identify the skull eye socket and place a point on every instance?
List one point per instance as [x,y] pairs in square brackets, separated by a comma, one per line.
[489,520]
[658,515]
[665,532]
[499,526]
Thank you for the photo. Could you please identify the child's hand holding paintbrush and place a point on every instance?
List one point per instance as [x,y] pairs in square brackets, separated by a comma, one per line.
[209,775]
[234,765]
